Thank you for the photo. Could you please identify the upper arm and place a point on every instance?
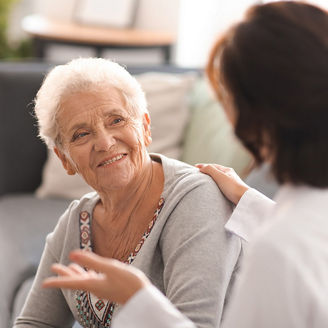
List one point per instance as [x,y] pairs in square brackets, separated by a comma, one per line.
[199,255]
[47,307]
[268,291]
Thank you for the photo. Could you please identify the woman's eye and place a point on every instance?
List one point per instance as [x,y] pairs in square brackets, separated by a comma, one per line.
[117,121]
[79,135]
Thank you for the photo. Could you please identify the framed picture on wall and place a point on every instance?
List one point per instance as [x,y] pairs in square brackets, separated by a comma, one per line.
[110,13]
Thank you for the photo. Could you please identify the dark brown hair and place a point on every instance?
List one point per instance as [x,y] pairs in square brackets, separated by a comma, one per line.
[274,65]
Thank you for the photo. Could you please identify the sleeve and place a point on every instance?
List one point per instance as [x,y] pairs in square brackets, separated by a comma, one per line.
[199,255]
[45,307]
[267,292]
[252,211]
[149,308]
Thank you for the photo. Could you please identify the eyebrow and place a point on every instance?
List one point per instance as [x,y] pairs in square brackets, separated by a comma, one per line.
[106,114]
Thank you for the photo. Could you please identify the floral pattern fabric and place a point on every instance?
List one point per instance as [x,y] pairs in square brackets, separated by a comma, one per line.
[92,311]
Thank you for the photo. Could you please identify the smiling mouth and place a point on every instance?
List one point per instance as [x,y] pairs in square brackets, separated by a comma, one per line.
[112,160]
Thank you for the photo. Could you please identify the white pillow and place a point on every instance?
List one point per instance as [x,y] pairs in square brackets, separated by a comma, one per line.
[167,96]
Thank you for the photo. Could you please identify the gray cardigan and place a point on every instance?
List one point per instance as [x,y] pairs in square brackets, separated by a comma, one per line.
[188,255]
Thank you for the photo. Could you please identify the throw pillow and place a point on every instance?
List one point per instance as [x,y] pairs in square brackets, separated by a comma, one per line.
[209,137]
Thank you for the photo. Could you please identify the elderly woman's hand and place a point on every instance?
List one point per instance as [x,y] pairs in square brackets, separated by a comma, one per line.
[231,185]
[115,281]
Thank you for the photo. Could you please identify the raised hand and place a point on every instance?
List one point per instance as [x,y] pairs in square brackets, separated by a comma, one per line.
[231,185]
[106,278]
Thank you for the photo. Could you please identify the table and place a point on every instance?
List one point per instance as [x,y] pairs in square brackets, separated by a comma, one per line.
[45,31]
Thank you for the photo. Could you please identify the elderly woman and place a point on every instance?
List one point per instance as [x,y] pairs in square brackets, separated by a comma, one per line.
[157,213]
[271,73]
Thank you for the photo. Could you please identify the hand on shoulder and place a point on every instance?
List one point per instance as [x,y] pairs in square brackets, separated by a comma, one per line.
[231,185]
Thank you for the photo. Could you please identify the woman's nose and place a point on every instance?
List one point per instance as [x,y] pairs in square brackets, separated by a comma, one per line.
[104,141]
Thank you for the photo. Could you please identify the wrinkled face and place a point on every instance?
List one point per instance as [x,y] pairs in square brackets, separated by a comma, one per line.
[102,139]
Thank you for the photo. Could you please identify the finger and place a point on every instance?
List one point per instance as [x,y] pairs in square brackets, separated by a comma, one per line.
[76,269]
[61,270]
[218,166]
[65,282]
[219,177]
[212,171]
[223,168]
[93,261]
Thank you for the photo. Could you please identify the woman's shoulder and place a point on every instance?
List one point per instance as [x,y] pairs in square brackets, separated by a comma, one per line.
[85,203]
[67,227]
[188,192]
[175,169]
[183,178]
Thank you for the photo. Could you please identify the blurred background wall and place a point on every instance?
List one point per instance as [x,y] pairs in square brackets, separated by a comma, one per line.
[195,24]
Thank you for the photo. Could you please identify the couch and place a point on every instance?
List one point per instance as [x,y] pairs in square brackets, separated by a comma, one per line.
[26,217]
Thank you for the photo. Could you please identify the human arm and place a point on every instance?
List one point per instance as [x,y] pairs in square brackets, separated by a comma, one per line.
[199,255]
[195,278]
[44,308]
[123,284]
[115,280]
[252,207]
[149,308]
[271,291]
[231,185]
[49,308]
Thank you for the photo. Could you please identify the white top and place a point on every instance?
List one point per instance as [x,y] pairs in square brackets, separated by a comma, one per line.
[284,279]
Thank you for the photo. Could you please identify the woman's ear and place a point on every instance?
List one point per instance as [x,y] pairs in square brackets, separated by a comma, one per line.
[147,132]
[65,162]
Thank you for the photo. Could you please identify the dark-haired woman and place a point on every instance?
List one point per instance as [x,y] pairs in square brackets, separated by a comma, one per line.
[271,73]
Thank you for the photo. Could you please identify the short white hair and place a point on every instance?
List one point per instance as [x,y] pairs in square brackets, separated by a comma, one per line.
[80,75]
